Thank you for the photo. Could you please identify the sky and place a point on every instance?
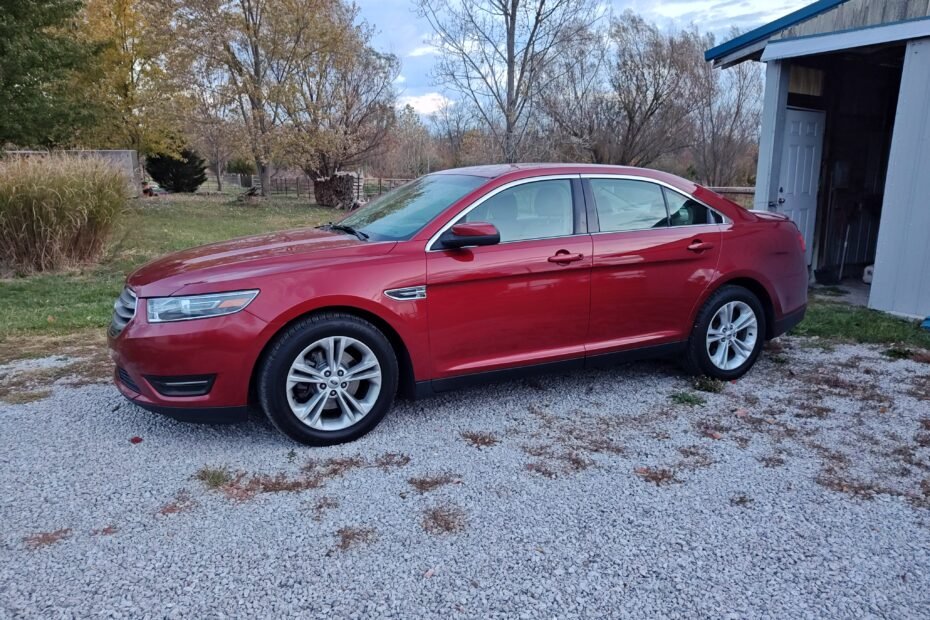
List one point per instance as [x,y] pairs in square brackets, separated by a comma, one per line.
[401,32]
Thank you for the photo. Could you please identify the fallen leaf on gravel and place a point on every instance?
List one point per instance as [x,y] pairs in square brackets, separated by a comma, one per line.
[429,573]
[135,440]
[713,434]
[741,413]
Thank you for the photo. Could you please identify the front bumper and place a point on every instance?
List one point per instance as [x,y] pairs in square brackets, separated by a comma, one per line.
[223,348]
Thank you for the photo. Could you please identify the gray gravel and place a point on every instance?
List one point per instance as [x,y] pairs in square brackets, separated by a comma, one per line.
[803,490]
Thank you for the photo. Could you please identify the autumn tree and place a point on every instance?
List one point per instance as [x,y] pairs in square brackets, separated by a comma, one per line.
[409,148]
[340,106]
[262,45]
[496,54]
[135,90]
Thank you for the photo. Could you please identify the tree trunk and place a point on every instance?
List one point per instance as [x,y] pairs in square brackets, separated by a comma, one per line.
[264,176]
[219,176]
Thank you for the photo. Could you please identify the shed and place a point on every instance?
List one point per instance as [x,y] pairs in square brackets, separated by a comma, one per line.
[845,143]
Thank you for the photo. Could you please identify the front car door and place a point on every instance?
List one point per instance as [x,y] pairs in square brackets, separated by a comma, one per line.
[655,252]
[523,301]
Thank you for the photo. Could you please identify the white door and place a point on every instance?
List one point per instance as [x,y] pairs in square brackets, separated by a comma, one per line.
[800,171]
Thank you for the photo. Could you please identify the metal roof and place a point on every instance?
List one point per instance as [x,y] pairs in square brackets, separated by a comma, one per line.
[764,32]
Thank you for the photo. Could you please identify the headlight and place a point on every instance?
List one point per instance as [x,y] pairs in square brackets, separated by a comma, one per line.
[164,309]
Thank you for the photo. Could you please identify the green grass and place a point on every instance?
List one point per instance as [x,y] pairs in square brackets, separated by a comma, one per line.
[840,321]
[687,398]
[83,298]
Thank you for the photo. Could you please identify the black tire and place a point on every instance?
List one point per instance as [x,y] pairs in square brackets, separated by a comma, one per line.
[697,360]
[272,376]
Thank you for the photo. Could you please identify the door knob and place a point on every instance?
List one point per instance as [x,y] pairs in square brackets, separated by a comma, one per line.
[781,201]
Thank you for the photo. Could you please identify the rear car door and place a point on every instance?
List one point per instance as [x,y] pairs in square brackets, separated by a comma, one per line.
[523,301]
[655,252]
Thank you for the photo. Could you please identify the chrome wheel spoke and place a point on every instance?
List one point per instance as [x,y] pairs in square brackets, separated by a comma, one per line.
[310,412]
[732,335]
[350,407]
[723,352]
[744,321]
[368,368]
[302,373]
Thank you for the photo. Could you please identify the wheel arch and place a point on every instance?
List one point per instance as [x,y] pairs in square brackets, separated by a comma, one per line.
[407,378]
[754,286]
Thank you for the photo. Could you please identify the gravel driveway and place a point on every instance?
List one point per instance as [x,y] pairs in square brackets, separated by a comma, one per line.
[803,490]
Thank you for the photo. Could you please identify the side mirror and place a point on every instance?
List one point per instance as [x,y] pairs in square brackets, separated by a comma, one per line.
[467,234]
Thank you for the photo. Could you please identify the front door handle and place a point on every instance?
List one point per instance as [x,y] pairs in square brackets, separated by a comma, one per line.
[699,246]
[564,257]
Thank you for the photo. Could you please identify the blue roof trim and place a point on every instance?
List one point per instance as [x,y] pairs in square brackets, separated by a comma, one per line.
[763,32]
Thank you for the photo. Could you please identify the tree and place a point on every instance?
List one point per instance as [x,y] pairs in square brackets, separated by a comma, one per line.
[451,124]
[39,57]
[410,147]
[496,53]
[178,174]
[262,45]
[727,122]
[342,105]
[209,113]
[135,91]
[627,96]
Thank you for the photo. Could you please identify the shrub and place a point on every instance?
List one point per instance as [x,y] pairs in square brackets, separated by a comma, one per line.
[56,211]
[178,174]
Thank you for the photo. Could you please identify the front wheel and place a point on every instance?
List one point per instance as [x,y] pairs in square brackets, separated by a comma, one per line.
[727,336]
[328,379]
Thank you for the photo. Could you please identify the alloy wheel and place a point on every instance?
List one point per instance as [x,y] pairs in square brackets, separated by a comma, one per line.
[731,335]
[333,383]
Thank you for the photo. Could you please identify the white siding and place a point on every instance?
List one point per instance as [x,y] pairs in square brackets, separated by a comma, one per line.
[902,264]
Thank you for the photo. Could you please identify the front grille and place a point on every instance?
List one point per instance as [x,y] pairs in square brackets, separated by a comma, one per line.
[123,310]
[127,380]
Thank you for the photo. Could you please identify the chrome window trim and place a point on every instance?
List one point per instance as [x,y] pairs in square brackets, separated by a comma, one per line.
[630,177]
[494,192]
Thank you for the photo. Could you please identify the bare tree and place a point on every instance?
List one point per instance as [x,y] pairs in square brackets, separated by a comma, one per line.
[626,96]
[495,54]
[727,122]
[451,124]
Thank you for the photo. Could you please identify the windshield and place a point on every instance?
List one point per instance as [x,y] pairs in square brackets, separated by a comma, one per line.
[401,213]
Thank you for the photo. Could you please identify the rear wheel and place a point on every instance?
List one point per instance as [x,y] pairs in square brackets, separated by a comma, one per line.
[328,379]
[728,334]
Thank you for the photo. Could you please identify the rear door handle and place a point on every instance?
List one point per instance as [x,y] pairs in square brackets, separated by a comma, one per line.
[563,257]
[699,246]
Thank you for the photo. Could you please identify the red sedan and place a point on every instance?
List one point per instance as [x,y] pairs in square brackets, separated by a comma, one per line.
[460,276]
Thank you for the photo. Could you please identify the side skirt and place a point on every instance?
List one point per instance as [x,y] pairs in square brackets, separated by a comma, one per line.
[425,389]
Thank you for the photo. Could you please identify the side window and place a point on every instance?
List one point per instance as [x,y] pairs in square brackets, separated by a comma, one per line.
[625,204]
[684,211]
[534,210]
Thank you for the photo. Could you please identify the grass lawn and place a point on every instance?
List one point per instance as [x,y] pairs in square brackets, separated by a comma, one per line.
[39,313]
[82,298]
[840,321]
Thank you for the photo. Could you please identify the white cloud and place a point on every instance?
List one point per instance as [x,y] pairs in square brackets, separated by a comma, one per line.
[424,104]
[400,79]
[422,50]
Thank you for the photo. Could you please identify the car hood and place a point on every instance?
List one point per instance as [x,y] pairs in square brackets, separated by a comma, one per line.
[213,267]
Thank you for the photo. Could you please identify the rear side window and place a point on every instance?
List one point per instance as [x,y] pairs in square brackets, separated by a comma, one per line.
[684,211]
[626,204]
[535,210]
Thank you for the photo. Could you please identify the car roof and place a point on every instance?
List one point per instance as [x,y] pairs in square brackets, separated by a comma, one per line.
[493,171]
